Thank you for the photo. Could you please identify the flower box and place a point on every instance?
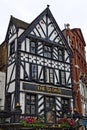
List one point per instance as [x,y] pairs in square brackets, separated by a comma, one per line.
[63,123]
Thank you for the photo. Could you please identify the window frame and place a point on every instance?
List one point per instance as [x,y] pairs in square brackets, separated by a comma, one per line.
[50,109]
[65,103]
[61,55]
[32,71]
[62,77]
[48,74]
[30,104]
[47,53]
[32,42]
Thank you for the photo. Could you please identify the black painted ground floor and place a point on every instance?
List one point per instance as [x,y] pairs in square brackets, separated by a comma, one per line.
[18,126]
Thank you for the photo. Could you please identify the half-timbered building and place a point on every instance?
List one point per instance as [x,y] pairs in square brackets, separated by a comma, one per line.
[38,75]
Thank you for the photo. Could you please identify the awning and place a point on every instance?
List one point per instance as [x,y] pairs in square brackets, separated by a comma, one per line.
[84,122]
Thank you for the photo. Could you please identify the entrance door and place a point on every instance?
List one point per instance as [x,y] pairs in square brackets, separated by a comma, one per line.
[50,109]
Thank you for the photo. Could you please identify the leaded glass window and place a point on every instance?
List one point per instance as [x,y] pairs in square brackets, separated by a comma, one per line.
[61,55]
[30,104]
[47,51]
[33,47]
[34,71]
[49,75]
[62,77]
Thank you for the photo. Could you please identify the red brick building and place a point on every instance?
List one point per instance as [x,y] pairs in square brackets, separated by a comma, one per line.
[76,40]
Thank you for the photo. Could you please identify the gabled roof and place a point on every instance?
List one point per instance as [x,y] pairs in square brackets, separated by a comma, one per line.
[48,13]
[35,21]
[78,32]
[18,23]
[29,27]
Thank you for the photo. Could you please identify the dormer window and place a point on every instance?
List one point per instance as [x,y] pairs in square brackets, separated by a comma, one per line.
[12,48]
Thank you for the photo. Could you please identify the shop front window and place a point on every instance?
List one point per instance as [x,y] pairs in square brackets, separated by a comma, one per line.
[30,104]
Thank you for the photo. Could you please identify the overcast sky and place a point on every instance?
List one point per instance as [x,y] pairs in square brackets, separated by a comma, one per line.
[73,12]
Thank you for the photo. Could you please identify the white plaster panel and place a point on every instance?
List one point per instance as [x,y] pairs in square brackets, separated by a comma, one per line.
[27,44]
[57,74]
[50,29]
[20,32]
[12,38]
[27,68]
[43,25]
[49,20]
[2,90]
[54,34]
[11,87]
[21,71]
[40,31]
[22,101]
[9,72]
[13,75]
[23,46]
[66,55]
[44,18]
[37,34]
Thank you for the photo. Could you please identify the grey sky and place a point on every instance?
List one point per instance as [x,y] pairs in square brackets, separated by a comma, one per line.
[73,12]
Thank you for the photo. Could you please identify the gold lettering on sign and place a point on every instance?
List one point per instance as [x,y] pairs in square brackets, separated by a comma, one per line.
[41,88]
[49,89]
[56,90]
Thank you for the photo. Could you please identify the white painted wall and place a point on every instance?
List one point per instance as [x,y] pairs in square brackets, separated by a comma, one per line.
[83,91]
[2,90]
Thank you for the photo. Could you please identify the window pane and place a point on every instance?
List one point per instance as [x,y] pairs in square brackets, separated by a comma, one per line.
[30,104]
[47,51]
[65,104]
[51,75]
[34,71]
[32,99]
[33,47]
[50,101]
[61,55]
[28,109]
[32,109]
[47,102]
[62,77]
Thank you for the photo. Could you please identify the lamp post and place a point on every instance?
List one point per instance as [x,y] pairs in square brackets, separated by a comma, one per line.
[16,114]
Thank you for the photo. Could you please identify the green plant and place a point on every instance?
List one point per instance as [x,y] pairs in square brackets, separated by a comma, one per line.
[32,121]
[68,123]
[40,122]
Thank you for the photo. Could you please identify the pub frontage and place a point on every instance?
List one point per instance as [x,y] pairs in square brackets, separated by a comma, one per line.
[39,84]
